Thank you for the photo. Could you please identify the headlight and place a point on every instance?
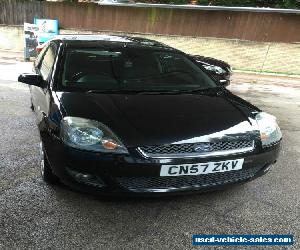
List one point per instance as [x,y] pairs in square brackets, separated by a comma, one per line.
[216,69]
[90,135]
[269,130]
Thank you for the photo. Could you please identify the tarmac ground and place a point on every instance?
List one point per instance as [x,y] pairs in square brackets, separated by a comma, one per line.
[34,215]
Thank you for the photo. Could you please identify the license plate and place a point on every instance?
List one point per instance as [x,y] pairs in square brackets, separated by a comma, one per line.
[201,168]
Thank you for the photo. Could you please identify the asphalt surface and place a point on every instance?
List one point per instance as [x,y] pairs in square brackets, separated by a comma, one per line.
[36,216]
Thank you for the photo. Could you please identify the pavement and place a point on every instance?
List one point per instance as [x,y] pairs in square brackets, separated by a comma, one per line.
[34,215]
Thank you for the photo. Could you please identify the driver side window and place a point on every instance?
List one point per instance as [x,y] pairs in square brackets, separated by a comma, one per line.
[46,64]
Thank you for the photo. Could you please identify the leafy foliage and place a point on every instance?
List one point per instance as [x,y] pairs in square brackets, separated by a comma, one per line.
[287,4]
[254,3]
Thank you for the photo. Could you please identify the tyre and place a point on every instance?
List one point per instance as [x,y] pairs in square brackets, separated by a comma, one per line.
[31,105]
[46,171]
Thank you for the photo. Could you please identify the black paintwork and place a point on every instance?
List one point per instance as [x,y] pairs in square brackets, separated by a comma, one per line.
[209,61]
[138,120]
[156,119]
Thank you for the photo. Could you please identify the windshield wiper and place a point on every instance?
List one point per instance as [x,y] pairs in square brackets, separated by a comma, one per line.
[106,91]
[182,91]
[134,91]
[159,92]
[155,92]
[206,90]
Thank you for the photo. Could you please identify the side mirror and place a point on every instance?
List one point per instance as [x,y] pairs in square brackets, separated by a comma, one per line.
[31,79]
[224,82]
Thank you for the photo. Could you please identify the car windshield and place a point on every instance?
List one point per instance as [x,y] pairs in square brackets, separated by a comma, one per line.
[87,69]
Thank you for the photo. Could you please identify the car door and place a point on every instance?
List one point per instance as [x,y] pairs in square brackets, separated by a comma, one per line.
[41,95]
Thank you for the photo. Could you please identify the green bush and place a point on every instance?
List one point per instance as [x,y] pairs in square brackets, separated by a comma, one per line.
[287,4]
[253,3]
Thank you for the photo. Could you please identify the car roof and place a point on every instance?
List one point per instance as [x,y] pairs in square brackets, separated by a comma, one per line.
[74,40]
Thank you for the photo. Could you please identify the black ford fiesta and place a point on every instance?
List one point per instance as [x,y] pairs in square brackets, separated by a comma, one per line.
[134,116]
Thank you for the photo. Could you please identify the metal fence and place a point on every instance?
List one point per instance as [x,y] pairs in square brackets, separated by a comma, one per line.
[250,40]
[233,23]
[16,12]
[265,57]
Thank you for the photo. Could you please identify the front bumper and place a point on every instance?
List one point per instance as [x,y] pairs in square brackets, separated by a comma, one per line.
[133,174]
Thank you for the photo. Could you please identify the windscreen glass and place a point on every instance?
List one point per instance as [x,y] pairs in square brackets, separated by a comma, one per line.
[132,69]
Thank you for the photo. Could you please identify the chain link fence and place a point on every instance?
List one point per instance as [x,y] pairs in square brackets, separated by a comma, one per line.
[266,57]
[282,58]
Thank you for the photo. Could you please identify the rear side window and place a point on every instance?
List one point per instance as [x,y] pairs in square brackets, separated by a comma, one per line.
[47,62]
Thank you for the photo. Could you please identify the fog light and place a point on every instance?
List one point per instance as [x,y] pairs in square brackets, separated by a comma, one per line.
[88,179]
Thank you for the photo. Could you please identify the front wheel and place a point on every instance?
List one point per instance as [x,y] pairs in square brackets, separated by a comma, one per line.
[31,104]
[46,171]
[31,107]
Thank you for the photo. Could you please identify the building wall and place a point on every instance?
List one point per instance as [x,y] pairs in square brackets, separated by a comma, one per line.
[11,38]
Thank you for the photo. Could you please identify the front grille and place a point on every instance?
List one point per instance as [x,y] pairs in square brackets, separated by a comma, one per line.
[181,182]
[197,148]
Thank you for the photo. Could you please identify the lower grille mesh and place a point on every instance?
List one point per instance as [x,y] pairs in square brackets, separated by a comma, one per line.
[205,180]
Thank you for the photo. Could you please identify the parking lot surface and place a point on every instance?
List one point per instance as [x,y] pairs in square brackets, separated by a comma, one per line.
[34,215]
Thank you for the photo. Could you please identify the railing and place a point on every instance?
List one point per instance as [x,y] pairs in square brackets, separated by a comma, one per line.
[262,24]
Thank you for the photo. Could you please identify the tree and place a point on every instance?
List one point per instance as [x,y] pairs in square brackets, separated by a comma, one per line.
[254,3]
[287,4]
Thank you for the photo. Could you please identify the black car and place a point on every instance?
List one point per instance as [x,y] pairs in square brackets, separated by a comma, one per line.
[217,68]
[121,114]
